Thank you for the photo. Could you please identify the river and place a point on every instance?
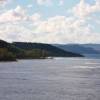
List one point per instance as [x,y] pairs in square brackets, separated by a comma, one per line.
[50,79]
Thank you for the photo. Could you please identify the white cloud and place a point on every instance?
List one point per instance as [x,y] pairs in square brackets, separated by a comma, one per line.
[61,2]
[13,15]
[17,25]
[29,6]
[61,29]
[3,3]
[44,2]
[49,2]
[83,9]
[35,17]
[18,14]
[58,29]
[16,32]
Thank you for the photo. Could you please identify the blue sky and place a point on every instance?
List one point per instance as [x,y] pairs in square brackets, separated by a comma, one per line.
[50,21]
[54,8]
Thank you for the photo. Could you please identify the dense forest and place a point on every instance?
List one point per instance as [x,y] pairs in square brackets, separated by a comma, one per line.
[25,50]
[5,53]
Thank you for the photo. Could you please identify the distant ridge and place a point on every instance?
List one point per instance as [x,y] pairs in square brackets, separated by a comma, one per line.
[78,48]
[94,46]
[88,50]
[53,51]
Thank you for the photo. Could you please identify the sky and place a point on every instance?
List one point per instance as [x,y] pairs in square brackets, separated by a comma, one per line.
[50,21]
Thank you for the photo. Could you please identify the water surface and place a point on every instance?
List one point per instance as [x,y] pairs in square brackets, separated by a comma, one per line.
[50,79]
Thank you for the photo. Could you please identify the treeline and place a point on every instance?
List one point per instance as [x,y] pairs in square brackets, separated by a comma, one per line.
[52,50]
[24,50]
[9,52]
[6,55]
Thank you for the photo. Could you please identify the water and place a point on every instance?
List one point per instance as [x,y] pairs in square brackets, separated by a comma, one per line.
[50,79]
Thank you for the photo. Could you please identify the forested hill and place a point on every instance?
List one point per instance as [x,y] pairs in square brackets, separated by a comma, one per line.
[23,50]
[52,50]
[6,53]
[10,47]
[3,44]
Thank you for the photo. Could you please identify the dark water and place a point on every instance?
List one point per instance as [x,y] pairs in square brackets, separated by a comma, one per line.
[50,79]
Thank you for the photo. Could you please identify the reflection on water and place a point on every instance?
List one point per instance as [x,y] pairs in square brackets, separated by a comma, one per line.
[50,79]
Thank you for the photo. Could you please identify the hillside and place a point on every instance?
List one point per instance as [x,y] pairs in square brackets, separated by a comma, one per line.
[78,48]
[84,49]
[94,46]
[23,50]
[3,44]
[51,50]
[5,53]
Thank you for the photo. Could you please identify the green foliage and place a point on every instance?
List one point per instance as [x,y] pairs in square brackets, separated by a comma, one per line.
[34,54]
[8,56]
[11,56]
[23,50]
[52,50]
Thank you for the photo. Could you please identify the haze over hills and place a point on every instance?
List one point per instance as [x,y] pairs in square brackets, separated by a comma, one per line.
[94,46]
[88,50]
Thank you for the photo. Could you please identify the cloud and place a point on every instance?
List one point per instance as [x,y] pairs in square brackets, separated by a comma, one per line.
[49,2]
[18,14]
[16,32]
[3,3]
[12,15]
[58,29]
[59,24]
[44,2]
[83,9]
[35,17]
[61,29]
[61,2]
[30,6]
[18,25]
